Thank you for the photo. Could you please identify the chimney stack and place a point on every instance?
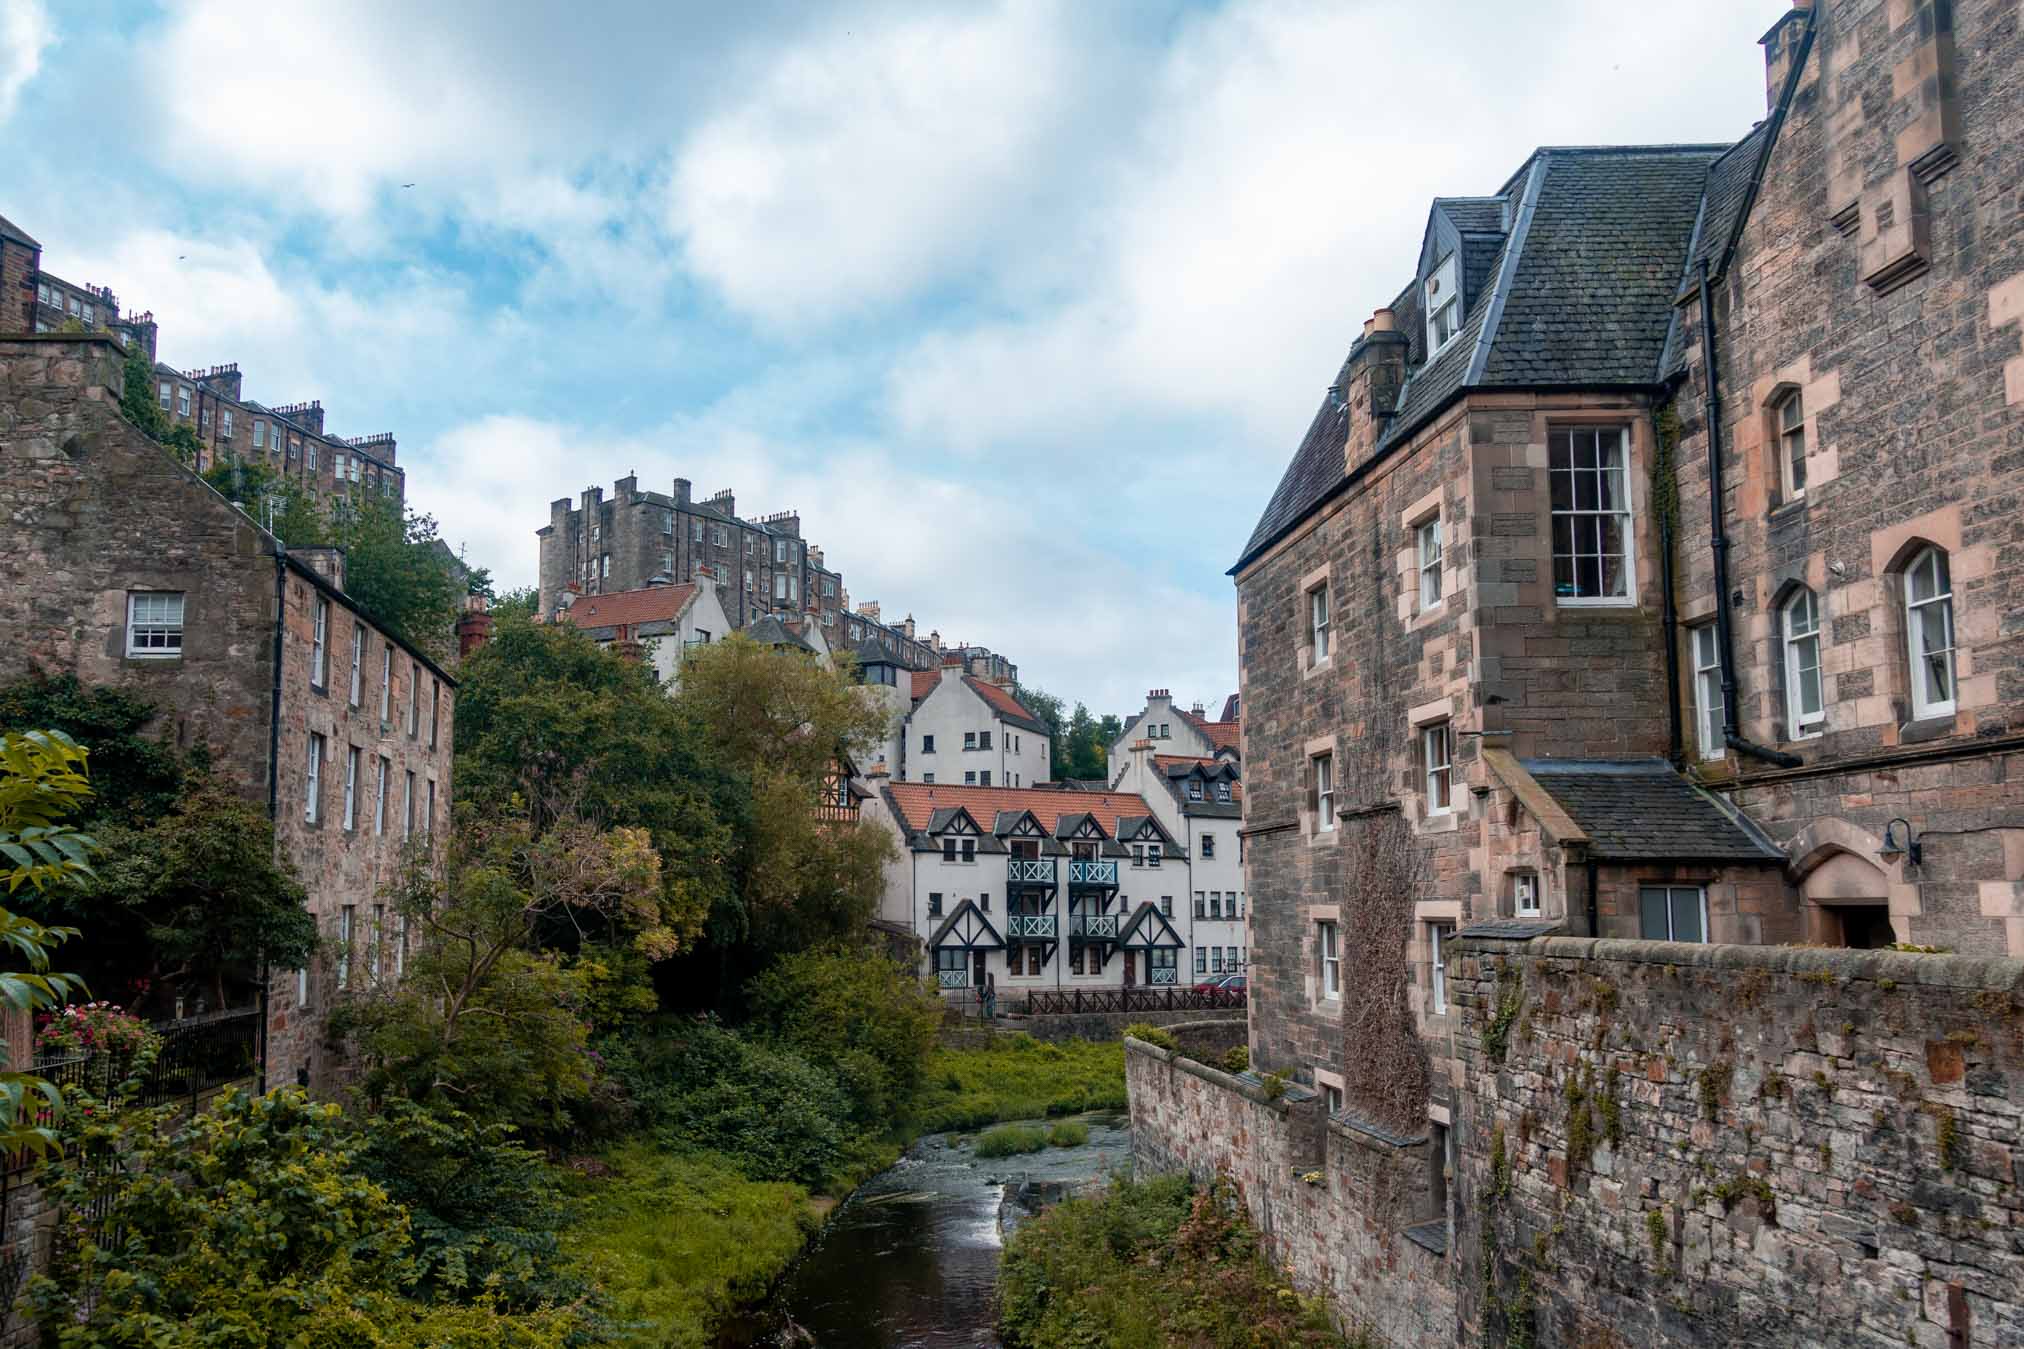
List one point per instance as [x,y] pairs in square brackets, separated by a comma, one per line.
[474,627]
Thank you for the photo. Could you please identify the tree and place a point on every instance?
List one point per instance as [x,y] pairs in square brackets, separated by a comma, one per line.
[139,404]
[42,783]
[484,1017]
[860,1015]
[191,888]
[1086,745]
[784,724]
[1048,709]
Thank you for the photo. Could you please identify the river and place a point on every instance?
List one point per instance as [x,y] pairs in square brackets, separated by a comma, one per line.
[910,1261]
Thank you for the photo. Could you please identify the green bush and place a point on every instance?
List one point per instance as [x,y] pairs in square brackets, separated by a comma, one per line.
[678,1244]
[1011,1140]
[1070,1133]
[1237,1060]
[251,1224]
[1152,1263]
[859,1015]
[1147,1033]
[482,1209]
[1017,1078]
[699,1087]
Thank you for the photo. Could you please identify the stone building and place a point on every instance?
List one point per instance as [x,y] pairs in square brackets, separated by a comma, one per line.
[1647,572]
[289,438]
[125,568]
[1042,890]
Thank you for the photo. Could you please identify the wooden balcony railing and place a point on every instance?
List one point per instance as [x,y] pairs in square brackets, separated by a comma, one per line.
[1030,927]
[1094,926]
[1030,871]
[1096,875]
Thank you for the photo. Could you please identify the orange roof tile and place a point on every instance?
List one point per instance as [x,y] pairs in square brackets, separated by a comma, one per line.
[918,802]
[1221,734]
[654,604]
[999,700]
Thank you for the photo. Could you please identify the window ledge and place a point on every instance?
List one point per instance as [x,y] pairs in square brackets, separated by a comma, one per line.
[1431,1236]
[1787,510]
[1935,727]
[1598,607]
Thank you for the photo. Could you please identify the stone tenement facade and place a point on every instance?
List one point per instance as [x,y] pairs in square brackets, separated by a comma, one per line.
[289,439]
[1832,1160]
[124,568]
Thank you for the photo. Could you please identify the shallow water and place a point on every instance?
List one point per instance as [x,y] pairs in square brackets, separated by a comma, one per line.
[911,1260]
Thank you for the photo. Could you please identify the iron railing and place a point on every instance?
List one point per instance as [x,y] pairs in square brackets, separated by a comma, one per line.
[1029,927]
[1071,1001]
[203,1053]
[1030,871]
[1101,875]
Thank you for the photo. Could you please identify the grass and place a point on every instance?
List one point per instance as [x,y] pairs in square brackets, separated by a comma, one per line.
[1011,1140]
[1150,1264]
[1069,1133]
[679,1243]
[1019,1078]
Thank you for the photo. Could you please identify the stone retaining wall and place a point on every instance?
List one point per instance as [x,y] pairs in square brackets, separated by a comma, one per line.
[1110,1025]
[1335,1204]
[1656,1144]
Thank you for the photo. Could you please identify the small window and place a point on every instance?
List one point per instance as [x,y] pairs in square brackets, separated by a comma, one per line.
[312,781]
[1201,961]
[1324,792]
[436,705]
[1708,717]
[1802,664]
[934,903]
[1328,944]
[1331,1097]
[1152,854]
[1791,414]
[1215,904]
[182,402]
[1208,847]
[984,778]
[969,777]
[357,663]
[351,758]
[259,435]
[696,530]
[408,807]
[1443,305]
[1524,894]
[928,778]
[1673,913]
[429,810]
[1430,563]
[1194,789]
[155,623]
[948,850]
[166,388]
[969,740]
[1201,905]
[387,682]
[381,767]
[969,850]
[927,744]
[225,424]
[1438,936]
[1222,791]
[347,922]
[983,740]
[1591,516]
[318,652]
[1929,610]
[1435,757]
[1317,621]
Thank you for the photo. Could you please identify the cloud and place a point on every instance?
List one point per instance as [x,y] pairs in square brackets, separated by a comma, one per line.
[25,34]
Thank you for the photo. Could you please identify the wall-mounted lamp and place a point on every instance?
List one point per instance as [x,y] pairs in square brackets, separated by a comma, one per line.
[1893,847]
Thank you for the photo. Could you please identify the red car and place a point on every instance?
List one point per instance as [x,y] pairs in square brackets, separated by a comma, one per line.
[1222,983]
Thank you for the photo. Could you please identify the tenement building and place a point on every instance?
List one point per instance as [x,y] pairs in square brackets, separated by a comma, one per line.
[288,440]
[1628,652]
[125,568]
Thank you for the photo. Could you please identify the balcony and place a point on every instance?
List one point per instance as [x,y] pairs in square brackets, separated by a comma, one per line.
[1030,927]
[953,978]
[1030,871]
[1094,926]
[1092,875]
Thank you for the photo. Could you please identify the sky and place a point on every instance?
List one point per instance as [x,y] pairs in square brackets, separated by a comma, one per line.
[1024,306]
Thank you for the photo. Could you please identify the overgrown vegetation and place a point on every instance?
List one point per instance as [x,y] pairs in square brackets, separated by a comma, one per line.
[1019,1078]
[1011,1140]
[1147,1264]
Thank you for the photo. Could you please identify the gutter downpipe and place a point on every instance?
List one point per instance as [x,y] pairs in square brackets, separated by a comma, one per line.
[1719,540]
[1669,616]
[273,766]
[1594,913]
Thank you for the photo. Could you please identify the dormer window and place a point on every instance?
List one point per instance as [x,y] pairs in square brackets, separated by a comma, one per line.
[1444,305]
[1194,789]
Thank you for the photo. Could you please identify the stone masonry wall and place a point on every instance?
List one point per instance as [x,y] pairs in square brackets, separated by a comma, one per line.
[1831,1159]
[1331,1203]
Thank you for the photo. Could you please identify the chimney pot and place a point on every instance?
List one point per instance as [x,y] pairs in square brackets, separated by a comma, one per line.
[1383,321]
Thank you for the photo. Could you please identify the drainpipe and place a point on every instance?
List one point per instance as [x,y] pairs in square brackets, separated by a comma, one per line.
[1594,911]
[1669,616]
[1719,541]
[273,768]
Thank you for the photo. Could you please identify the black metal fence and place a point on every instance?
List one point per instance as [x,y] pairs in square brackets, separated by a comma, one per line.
[1070,1001]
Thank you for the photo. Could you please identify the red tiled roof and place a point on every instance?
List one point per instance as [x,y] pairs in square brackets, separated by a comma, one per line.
[1222,734]
[654,604]
[918,802]
[1166,761]
[924,683]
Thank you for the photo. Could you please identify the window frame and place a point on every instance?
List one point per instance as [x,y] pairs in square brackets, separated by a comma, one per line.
[1428,545]
[1917,615]
[1328,954]
[1438,735]
[312,780]
[1446,272]
[1320,637]
[1524,884]
[357,663]
[1322,768]
[1709,719]
[1800,724]
[1789,433]
[319,643]
[1439,933]
[1623,513]
[162,628]
[1669,889]
[352,758]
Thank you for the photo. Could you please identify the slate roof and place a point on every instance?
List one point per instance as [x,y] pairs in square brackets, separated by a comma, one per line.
[10,230]
[771,630]
[629,608]
[1511,929]
[1176,767]
[1578,291]
[1643,810]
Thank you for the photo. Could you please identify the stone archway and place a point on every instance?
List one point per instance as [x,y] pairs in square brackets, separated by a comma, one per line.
[1845,895]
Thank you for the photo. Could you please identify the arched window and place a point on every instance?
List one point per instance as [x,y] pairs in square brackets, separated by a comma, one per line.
[1804,708]
[1929,630]
[1791,417]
